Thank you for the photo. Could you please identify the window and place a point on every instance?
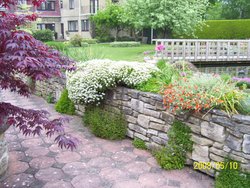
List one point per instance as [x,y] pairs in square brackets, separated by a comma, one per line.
[61,3]
[85,25]
[47,6]
[46,26]
[71,4]
[94,6]
[73,26]
[115,1]
[22,2]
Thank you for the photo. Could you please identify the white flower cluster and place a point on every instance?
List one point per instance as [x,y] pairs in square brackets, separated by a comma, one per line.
[92,78]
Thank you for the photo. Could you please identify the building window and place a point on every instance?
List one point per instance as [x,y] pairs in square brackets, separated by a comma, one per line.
[73,26]
[115,1]
[46,26]
[94,6]
[71,4]
[22,2]
[47,6]
[85,25]
[61,3]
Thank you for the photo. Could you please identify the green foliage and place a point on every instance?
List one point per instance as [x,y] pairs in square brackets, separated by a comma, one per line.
[125,44]
[159,79]
[89,41]
[105,124]
[225,29]
[179,17]
[60,46]
[232,178]
[140,144]
[76,40]
[226,77]
[236,9]
[50,98]
[244,107]
[173,156]
[104,37]
[64,104]
[43,35]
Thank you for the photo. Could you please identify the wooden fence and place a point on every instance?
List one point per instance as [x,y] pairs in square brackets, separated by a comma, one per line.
[204,50]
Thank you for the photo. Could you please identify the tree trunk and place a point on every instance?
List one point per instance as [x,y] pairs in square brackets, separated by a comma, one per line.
[167,33]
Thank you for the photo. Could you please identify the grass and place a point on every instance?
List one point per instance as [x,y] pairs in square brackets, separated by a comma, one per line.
[105,51]
[140,144]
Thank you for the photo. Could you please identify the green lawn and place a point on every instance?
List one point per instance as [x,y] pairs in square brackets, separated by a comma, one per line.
[105,51]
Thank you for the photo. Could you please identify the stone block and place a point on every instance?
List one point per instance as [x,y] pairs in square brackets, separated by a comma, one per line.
[200,153]
[131,126]
[245,167]
[159,106]
[158,140]
[133,93]
[243,128]
[194,120]
[131,119]
[224,121]
[241,119]
[213,131]
[140,130]
[246,144]
[156,97]
[140,136]
[127,111]
[163,136]
[234,143]
[218,151]
[137,105]
[157,120]
[151,113]
[226,149]
[159,127]
[126,103]
[130,133]
[149,106]
[216,157]
[238,158]
[194,128]
[144,99]
[201,140]
[143,120]
[169,118]
[152,131]
[4,157]
[218,145]
[236,133]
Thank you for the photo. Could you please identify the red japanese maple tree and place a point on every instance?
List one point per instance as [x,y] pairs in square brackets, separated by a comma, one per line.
[21,54]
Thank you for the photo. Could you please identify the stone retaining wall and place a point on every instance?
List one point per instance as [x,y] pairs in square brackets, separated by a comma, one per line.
[215,135]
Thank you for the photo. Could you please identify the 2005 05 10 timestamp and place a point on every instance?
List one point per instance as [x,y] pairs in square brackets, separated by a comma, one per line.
[216,165]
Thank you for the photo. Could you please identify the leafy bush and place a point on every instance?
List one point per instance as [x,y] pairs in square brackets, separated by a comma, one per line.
[225,29]
[90,81]
[125,38]
[89,41]
[50,98]
[173,156]
[159,79]
[226,77]
[202,92]
[232,178]
[125,44]
[60,46]
[76,40]
[244,107]
[140,144]
[185,68]
[105,38]
[242,82]
[105,124]
[64,104]
[43,35]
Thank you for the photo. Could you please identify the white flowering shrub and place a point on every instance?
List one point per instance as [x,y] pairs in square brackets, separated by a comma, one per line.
[90,81]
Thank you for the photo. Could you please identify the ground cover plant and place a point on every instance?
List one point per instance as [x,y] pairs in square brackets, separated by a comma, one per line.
[93,78]
[125,44]
[232,178]
[104,123]
[140,144]
[64,104]
[173,156]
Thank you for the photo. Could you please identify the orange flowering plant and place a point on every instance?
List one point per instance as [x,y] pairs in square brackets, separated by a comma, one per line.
[201,92]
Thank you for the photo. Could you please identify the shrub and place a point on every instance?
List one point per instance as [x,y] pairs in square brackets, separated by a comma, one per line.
[105,38]
[83,54]
[202,92]
[232,178]
[89,41]
[90,81]
[43,35]
[60,46]
[244,107]
[125,44]
[105,124]
[225,29]
[125,38]
[140,144]
[173,156]
[50,98]
[159,79]
[185,68]
[242,82]
[76,40]
[64,104]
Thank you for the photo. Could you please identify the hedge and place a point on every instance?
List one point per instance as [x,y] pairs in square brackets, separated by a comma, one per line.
[225,29]
[125,44]
[43,35]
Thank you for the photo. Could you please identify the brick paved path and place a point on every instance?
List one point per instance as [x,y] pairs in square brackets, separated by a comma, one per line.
[38,162]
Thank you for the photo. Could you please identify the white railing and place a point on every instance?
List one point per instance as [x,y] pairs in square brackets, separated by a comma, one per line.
[204,50]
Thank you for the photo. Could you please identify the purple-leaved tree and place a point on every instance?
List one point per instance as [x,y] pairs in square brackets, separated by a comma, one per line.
[21,54]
